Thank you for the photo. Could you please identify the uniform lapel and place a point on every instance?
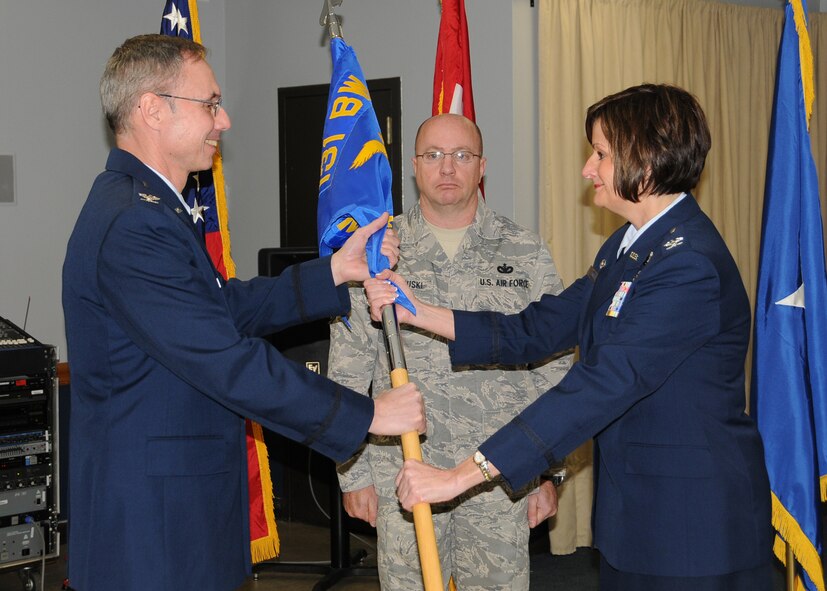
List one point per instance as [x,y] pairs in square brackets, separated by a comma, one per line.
[629,266]
[606,274]
[151,184]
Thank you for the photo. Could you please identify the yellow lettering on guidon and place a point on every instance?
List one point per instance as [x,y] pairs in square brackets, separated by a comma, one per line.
[329,156]
[345,106]
[355,86]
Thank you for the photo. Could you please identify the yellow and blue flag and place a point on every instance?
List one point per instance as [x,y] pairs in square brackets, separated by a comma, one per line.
[789,377]
[355,179]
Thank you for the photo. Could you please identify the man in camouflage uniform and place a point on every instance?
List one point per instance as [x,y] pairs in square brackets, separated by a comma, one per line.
[455,252]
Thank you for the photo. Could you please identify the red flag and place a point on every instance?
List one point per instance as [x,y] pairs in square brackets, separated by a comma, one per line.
[452,72]
[205,191]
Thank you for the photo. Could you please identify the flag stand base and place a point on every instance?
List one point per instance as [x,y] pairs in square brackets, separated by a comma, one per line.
[342,565]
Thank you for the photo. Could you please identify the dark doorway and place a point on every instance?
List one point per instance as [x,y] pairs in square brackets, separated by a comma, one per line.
[302,111]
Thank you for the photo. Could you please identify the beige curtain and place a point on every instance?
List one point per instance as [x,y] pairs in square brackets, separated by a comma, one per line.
[818,123]
[724,54]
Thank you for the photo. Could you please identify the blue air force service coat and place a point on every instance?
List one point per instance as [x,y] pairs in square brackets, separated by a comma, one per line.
[681,487]
[165,363]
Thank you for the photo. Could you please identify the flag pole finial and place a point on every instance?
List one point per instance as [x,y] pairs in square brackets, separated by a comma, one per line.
[330,19]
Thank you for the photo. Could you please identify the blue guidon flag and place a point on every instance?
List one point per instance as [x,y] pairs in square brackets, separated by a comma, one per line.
[355,178]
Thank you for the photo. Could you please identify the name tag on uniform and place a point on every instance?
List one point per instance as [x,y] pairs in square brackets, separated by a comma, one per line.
[617,300]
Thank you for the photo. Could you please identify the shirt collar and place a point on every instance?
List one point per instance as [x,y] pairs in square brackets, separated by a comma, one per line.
[171,186]
[633,233]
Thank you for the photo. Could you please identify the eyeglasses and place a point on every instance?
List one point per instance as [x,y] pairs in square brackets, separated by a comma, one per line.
[459,156]
[214,104]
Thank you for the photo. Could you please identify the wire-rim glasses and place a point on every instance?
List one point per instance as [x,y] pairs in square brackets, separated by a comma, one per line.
[214,104]
[458,156]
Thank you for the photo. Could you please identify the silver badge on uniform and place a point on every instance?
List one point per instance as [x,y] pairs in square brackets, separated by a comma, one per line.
[149,198]
[669,244]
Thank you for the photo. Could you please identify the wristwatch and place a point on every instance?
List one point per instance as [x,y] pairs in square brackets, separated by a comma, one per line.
[558,477]
[482,464]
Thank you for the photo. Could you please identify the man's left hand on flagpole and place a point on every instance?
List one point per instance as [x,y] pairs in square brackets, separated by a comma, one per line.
[398,411]
[349,263]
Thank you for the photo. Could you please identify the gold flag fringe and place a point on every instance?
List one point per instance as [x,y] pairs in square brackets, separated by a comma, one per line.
[268,546]
[195,24]
[805,53]
[221,205]
[789,531]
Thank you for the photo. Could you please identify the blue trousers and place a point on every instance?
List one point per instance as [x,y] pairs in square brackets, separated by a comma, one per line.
[755,579]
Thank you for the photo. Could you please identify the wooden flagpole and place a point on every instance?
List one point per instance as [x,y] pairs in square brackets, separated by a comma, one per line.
[423,519]
[411,450]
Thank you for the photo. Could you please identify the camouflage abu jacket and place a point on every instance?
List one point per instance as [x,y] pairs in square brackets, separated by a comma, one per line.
[499,266]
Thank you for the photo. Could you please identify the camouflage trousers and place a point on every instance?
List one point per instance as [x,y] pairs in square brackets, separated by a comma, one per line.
[483,546]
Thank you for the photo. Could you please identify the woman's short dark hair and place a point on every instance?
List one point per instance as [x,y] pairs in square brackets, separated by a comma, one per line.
[658,136]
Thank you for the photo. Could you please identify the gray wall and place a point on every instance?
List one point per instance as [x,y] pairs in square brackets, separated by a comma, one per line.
[54,51]
[291,49]
[51,119]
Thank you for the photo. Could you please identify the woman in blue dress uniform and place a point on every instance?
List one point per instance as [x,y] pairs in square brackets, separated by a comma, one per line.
[662,320]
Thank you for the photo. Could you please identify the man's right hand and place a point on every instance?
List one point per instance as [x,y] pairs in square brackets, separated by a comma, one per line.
[398,410]
[362,504]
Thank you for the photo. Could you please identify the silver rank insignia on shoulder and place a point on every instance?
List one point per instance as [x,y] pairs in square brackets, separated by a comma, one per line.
[149,198]
[669,244]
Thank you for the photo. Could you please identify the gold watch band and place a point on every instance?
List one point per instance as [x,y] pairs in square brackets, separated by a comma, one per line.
[482,464]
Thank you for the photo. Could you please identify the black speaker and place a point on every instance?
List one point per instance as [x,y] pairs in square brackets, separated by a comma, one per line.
[301,477]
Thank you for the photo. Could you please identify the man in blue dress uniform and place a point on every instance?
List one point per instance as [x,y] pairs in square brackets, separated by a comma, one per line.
[165,354]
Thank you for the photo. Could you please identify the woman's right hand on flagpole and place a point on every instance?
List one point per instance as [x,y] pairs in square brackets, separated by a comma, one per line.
[382,290]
